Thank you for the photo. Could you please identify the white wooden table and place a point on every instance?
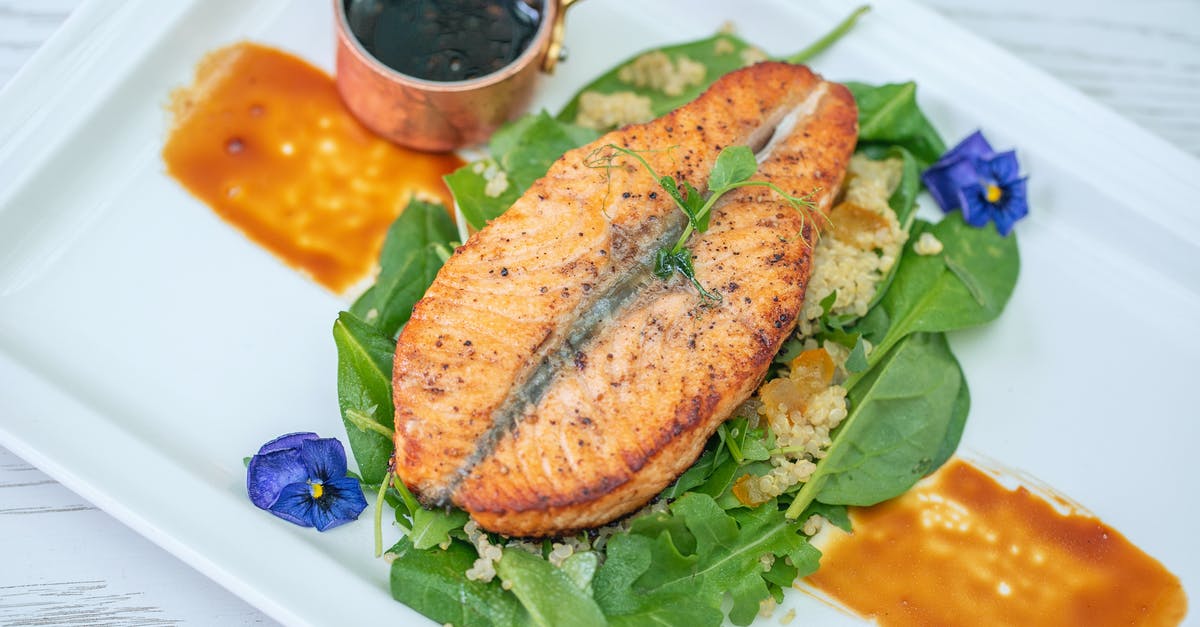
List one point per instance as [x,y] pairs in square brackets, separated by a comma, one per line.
[64,562]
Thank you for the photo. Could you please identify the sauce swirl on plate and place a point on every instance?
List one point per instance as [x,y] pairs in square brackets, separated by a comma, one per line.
[963,549]
[263,138]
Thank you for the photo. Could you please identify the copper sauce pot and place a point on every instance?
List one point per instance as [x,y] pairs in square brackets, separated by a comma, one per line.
[438,116]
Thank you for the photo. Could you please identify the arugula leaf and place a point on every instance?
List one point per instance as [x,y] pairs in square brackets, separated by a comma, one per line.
[432,527]
[548,594]
[698,472]
[888,115]
[734,165]
[678,611]
[432,583]
[581,568]
[644,572]
[365,392]
[417,245]
[900,415]
[807,559]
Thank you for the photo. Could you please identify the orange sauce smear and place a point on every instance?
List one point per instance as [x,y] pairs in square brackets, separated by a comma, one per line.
[963,549]
[263,138]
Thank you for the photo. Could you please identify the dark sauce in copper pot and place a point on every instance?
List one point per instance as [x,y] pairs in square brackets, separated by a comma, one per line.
[444,40]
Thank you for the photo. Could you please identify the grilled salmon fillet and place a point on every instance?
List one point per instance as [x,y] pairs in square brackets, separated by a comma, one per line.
[548,381]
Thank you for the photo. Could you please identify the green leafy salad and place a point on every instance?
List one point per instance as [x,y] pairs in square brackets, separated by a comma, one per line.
[704,551]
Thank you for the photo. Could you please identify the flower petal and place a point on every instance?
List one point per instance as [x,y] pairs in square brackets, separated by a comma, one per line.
[295,504]
[325,459]
[974,146]
[269,473]
[1004,168]
[945,178]
[1014,206]
[976,209]
[342,502]
[291,440]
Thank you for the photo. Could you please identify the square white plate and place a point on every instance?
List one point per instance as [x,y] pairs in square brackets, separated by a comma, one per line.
[146,346]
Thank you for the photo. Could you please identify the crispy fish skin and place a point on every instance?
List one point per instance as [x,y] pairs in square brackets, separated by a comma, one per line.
[634,404]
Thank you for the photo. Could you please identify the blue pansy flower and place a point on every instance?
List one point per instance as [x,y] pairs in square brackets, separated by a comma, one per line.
[985,185]
[301,478]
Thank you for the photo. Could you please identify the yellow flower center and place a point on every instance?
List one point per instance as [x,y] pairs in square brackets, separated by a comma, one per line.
[993,193]
[317,490]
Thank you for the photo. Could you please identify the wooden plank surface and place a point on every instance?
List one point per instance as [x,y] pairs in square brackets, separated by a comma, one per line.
[67,563]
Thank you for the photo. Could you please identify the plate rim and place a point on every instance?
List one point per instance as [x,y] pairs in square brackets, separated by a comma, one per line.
[48,74]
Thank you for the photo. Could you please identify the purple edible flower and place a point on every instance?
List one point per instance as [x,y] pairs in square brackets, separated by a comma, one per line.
[985,185]
[301,478]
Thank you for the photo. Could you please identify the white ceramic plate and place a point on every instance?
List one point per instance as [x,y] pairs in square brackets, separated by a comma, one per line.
[146,346]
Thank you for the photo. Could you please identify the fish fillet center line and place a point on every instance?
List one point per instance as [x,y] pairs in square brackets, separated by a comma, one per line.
[559,352]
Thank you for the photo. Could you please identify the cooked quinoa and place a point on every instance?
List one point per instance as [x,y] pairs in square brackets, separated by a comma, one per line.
[604,111]
[861,245]
[495,177]
[927,244]
[496,184]
[753,55]
[802,407]
[658,71]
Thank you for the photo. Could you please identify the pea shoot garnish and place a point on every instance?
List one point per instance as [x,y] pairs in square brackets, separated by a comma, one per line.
[733,169]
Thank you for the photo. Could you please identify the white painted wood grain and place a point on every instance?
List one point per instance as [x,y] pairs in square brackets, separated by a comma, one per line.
[1141,58]
[63,562]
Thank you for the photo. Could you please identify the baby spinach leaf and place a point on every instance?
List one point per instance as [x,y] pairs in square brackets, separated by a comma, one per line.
[432,583]
[903,200]
[365,392]
[837,515]
[718,55]
[954,431]
[857,361]
[873,328]
[431,527]
[967,285]
[527,155]
[524,150]
[469,189]
[548,594]
[900,415]
[888,115]
[417,244]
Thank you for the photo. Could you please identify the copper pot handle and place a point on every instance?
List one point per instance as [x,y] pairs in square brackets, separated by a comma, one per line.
[555,52]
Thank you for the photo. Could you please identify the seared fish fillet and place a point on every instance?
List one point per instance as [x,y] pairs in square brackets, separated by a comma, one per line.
[548,382]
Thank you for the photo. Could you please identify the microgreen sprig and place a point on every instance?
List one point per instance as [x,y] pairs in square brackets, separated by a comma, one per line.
[733,169]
